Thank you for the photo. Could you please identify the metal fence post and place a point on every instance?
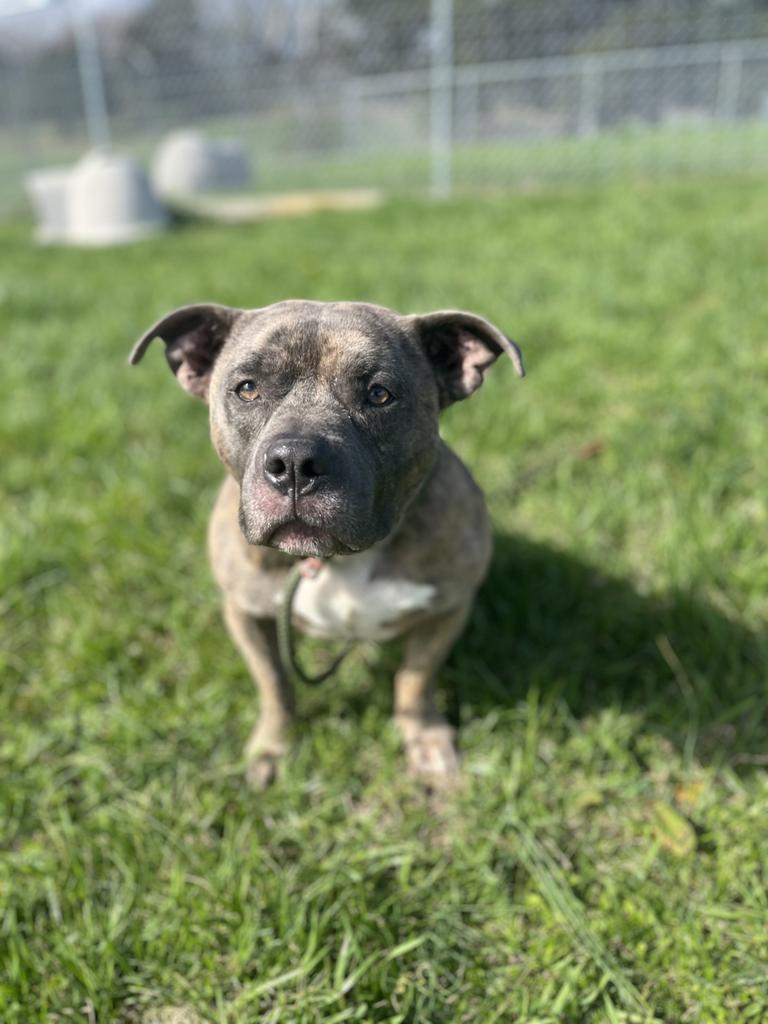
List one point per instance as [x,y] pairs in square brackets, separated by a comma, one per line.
[351,115]
[729,83]
[590,94]
[441,98]
[91,75]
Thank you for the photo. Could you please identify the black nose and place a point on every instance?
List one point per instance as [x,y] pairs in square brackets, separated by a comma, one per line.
[294,465]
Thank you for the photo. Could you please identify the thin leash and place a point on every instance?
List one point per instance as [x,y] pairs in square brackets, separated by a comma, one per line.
[286,639]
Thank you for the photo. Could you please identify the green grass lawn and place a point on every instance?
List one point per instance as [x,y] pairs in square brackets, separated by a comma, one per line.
[607,859]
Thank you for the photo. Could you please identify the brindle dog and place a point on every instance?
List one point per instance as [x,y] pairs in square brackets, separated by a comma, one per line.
[326,416]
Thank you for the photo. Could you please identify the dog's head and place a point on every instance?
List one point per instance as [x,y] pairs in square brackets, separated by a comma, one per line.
[325,413]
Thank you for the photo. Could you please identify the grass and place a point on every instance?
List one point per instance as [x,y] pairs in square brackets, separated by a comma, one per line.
[606,861]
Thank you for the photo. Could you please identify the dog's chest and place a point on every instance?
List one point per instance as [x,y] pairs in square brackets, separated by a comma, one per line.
[345,600]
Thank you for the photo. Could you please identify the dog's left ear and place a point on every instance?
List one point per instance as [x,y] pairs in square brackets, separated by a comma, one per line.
[194,336]
[461,346]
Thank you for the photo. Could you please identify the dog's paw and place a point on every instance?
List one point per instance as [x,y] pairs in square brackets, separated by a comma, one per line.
[263,754]
[261,771]
[430,750]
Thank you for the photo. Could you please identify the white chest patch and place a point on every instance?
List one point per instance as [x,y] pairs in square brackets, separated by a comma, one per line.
[344,601]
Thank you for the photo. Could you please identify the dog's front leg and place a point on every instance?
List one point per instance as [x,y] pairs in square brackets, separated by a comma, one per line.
[269,742]
[429,739]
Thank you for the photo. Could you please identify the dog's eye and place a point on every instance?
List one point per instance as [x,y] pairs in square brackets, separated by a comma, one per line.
[378,395]
[246,391]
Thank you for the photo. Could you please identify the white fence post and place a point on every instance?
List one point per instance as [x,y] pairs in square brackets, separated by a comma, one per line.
[441,98]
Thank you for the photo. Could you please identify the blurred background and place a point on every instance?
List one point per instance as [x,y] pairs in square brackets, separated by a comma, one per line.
[406,96]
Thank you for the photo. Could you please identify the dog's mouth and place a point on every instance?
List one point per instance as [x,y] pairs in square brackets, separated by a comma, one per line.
[299,538]
[330,522]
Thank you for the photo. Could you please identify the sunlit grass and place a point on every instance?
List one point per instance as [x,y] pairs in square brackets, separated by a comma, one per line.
[606,859]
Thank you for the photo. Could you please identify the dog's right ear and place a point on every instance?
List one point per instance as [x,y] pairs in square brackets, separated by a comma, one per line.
[193,336]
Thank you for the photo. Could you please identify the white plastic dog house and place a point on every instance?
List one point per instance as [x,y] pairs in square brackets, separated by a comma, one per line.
[47,192]
[110,201]
[104,199]
[186,163]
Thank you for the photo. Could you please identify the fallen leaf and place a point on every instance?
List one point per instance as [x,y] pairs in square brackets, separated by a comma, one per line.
[673,830]
[689,793]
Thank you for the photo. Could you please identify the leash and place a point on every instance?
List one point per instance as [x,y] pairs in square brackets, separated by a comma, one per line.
[286,645]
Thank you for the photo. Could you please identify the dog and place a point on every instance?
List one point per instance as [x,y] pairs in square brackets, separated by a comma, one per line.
[326,416]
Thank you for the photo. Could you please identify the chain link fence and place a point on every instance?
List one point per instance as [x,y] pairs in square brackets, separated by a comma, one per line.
[404,95]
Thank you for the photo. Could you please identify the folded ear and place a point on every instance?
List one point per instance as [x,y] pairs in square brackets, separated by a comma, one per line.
[193,336]
[461,346]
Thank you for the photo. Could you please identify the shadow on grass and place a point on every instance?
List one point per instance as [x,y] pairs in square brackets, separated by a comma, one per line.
[545,618]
